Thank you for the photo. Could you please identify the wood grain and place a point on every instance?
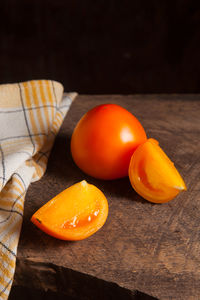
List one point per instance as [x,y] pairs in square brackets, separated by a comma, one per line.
[154,249]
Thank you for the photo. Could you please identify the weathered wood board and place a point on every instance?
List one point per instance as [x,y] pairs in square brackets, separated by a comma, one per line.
[154,249]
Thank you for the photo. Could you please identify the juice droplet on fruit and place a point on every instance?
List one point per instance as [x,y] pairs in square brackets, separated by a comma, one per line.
[96,213]
[75,222]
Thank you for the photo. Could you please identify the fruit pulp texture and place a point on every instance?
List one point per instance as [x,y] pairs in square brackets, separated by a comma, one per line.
[153,175]
[74,214]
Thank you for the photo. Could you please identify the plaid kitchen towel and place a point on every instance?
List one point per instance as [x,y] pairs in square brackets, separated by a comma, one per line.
[31,114]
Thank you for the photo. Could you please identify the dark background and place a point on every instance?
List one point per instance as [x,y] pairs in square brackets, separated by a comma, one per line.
[105,46]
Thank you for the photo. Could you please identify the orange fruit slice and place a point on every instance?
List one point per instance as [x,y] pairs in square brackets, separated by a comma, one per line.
[153,175]
[74,214]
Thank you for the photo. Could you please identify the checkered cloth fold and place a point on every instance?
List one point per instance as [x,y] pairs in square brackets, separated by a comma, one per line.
[31,114]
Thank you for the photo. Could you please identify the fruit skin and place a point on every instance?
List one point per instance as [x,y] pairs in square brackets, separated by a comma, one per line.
[153,175]
[104,140]
[74,214]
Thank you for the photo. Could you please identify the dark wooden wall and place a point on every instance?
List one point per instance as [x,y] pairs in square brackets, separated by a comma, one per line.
[105,46]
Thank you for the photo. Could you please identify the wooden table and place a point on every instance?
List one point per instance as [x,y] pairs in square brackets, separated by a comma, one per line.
[153,249]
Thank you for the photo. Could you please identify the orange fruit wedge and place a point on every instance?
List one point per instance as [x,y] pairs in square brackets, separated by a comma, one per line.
[153,175]
[74,214]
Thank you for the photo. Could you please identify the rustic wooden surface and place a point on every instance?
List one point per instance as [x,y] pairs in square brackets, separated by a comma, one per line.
[154,249]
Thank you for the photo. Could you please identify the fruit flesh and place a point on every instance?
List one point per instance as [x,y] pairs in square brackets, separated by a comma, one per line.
[153,175]
[74,214]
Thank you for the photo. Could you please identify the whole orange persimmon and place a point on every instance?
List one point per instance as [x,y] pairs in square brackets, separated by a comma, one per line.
[104,140]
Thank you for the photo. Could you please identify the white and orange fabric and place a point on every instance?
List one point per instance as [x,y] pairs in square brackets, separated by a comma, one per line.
[31,114]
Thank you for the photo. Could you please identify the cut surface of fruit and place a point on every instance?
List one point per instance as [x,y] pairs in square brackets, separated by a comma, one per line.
[74,214]
[153,175]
